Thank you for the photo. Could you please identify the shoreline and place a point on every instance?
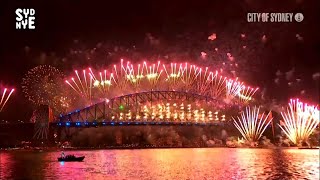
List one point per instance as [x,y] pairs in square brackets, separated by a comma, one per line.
[138,148]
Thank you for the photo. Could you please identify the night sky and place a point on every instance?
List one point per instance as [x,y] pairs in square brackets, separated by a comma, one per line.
[127,22]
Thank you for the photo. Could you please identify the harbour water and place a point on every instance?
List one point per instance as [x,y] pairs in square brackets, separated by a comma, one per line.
[153,164]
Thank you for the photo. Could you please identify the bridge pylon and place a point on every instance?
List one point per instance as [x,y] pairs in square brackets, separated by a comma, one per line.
[42,116]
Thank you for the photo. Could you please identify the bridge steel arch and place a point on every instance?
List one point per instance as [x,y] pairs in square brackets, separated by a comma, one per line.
[101,111]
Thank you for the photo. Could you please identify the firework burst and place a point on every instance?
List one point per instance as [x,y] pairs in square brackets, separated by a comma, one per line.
[42,85]
[251,125]
[300,120]
[5,96]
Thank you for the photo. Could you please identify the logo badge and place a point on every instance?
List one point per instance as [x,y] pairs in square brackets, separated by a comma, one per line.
[298,17]
[25,18]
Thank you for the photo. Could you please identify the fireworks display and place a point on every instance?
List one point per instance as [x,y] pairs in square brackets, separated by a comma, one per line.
[300,120]
[246,93]
[43,85]
[5,96]
[128,78]
[169,112]
[84,89]
[251,124]
[233,88]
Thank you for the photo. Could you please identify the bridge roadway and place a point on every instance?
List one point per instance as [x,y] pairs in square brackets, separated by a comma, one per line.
[113,123]
[127,123]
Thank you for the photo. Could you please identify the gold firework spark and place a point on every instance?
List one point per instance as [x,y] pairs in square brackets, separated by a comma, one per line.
[246,93]
[251,125]
[125,78]
[300,119]
[42,85]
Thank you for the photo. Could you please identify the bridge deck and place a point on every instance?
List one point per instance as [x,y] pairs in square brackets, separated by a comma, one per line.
[119,123]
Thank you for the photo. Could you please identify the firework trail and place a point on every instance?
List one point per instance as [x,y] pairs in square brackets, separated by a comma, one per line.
[188,74]
[5,97]
[251,125]
[246,93]
[153,73]
[217,84]
[134,75]
[127,78]
[173,74]
[300,120]
[83,86]
[233,88]
[204,80]
[227,54]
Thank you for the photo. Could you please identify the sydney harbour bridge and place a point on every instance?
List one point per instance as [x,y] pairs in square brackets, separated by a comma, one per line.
[103,113]
[155,94]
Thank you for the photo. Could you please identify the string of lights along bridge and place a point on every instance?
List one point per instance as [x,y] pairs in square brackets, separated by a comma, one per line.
[156,92]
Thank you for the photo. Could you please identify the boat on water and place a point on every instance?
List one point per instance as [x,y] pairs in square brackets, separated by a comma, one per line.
[71,158]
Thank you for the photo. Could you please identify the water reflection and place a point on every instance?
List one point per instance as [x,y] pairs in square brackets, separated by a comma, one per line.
[291,164]
[216,163]
[5,165]
[250,163]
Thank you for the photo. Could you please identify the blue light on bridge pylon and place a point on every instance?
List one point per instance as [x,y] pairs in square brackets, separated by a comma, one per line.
[59,124]
[78,123]
[86,124]
[67,123]
[120,123]
[112,123]
[104,123]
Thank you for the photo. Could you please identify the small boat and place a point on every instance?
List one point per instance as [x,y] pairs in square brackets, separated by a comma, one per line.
[71,158]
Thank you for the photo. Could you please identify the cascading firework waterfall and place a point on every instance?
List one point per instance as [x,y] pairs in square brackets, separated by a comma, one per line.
[300,120]
[251,125]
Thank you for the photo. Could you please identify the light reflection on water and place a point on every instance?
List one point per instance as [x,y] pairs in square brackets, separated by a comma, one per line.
[217,163]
